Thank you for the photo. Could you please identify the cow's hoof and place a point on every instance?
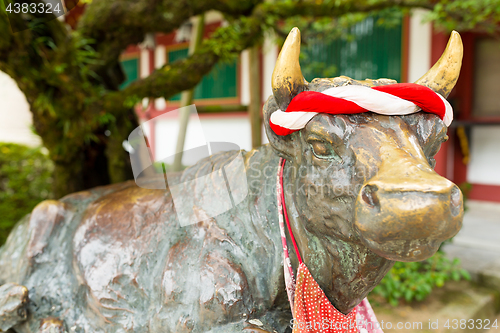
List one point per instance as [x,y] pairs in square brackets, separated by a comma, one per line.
[13,301]
[51,325]
[254,328]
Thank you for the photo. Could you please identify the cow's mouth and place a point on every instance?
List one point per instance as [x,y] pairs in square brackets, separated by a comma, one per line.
[404,250]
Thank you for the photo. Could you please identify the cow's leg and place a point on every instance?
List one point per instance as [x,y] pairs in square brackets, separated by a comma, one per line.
[13,301]
[51,325]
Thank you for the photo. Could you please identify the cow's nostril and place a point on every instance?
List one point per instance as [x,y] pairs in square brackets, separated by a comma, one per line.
[369,196]
[455,201]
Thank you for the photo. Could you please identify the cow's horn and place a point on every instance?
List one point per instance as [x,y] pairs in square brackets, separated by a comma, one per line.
[444,74]
[287,79]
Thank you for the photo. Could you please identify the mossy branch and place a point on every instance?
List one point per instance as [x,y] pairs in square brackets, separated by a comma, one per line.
[229,41]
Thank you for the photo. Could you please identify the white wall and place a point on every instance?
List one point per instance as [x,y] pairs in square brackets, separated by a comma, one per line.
[270,54]
[15,115]
[233,129]
[484,166]
[419,55]
[144,64]
[160,56]
[160,60]
[245,77]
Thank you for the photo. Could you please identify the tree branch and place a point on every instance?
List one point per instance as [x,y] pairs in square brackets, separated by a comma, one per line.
[185,74]
[232,40]
[114,26]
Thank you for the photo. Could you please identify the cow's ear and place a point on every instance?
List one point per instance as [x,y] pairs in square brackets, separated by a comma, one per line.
[287,146]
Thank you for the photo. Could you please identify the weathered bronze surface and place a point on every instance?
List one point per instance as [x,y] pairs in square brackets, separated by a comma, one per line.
[360,193]
[13,301]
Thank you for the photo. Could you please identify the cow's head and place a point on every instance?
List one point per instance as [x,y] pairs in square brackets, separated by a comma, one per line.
[369,178]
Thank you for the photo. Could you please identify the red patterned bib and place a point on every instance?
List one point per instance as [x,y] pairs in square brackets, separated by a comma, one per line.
[313,312]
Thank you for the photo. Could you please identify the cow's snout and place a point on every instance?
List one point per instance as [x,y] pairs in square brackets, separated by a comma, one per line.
[406,211]
[369,196]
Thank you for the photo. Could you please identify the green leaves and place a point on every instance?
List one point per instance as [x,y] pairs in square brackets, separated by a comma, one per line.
[415,280]
[227,42]
[25,180]
[467,15]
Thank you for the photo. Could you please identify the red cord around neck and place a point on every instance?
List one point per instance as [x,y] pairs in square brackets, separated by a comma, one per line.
[285,212]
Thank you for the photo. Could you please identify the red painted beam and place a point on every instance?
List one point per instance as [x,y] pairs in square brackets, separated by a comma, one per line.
[485,192]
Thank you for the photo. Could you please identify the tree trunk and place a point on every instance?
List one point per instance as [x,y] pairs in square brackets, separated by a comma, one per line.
[118,160]
[96,163]
[67,178]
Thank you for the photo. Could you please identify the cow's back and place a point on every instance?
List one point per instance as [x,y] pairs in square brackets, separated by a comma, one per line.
[116,259]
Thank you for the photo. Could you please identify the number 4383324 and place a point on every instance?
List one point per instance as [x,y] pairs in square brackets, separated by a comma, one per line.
[484,324]
[33,8]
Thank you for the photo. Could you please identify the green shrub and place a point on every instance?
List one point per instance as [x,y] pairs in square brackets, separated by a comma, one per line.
[25,180]
[415,280]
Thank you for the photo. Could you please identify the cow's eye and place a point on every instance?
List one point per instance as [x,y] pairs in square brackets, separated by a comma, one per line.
[324,150]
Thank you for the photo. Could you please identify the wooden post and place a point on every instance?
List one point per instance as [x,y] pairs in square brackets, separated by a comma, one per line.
[254,109]
[187,95]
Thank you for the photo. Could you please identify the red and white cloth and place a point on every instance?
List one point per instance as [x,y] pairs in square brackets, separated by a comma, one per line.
[393,99]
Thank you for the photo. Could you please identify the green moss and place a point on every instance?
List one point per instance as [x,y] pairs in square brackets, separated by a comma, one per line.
[25,180]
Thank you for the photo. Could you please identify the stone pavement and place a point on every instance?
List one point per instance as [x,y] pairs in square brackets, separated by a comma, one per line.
[478,243]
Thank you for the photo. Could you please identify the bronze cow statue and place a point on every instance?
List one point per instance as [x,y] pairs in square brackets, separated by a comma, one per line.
[114,259]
